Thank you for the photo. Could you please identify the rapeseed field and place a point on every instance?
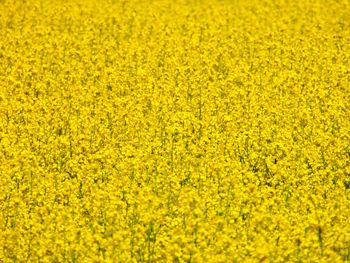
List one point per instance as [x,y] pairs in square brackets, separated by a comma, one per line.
[175,131]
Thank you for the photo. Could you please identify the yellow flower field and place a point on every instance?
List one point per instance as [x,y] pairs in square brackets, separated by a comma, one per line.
[175,131]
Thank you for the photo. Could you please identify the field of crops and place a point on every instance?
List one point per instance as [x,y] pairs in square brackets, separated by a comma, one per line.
[175,131]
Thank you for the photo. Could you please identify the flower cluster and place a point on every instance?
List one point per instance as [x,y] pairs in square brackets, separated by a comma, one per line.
[174,131]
